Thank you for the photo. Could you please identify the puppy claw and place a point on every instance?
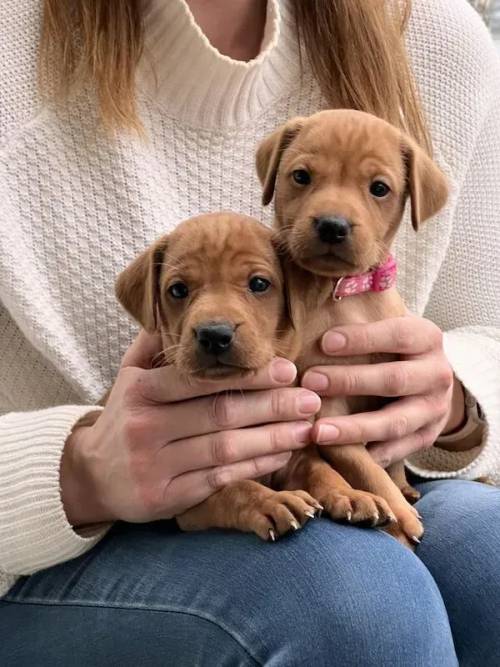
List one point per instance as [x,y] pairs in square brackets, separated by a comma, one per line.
[272,535]
[310,514]
[295,525]
[349,516]
[415,539]
[375,520]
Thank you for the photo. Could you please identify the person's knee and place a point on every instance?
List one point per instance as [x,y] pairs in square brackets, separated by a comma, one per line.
[460,548]
[356,597]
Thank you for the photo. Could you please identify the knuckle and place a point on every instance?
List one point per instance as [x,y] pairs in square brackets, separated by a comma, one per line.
[222,448]
[222,410]
[404,337]
[278,403]
[424,438]
[351,383]
[444,376]
[278,437]
[218,478]
[395,381]
[435,335]
[399,427]
[133,380]
[134,428]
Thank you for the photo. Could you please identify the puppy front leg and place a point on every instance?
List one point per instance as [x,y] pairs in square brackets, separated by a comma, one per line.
[307,470]
[398,475]
[357,466]
[251,507]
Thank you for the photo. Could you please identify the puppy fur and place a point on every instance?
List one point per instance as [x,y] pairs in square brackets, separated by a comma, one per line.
[201,275]
[343,152]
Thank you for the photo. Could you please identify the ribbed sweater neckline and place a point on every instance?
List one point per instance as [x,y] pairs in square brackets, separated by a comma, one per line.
[196,84]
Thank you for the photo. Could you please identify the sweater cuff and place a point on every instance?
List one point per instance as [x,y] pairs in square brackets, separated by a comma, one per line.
[34,530]
[474,359]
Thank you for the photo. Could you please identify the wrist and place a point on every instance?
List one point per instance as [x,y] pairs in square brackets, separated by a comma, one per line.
[471,432]
[79,493]
[457,415]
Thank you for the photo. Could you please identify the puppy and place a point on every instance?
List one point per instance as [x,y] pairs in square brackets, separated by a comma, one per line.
[340,180]
[214,289]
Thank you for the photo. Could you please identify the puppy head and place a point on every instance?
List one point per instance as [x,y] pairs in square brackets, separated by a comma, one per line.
[214,288]
[340,180]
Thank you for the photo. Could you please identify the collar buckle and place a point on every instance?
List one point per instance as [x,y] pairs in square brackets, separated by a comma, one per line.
[336,289]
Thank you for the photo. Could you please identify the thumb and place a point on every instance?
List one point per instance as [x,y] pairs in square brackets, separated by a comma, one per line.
[142,351]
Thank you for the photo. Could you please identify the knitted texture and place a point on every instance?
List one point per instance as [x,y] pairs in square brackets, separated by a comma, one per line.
[76,207]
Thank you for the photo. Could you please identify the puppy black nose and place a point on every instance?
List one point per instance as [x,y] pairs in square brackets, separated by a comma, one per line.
[332,229]
[215,337]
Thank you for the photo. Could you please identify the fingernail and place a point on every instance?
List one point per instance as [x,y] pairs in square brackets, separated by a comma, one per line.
[333,341]
[302,432]
[315,381]
[283,371]
[308,403]
[327,433]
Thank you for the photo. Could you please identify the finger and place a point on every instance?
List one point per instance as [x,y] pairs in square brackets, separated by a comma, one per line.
[386,453]
[192,488]
[401,335]
[142,351]
[232,410]
[392,422]
[396,378]
[167,384]
[228,447]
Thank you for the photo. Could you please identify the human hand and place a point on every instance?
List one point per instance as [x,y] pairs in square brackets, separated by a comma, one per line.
[164,443]
[431,399]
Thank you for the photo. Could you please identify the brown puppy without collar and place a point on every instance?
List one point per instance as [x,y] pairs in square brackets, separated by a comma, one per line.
[352,172]
[214,288]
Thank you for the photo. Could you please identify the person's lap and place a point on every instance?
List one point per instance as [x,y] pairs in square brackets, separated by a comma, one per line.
[328,595]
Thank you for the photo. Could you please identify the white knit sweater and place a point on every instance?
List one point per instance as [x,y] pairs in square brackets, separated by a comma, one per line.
[76,207]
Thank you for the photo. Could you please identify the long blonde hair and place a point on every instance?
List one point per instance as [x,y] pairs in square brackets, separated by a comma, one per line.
[355,48]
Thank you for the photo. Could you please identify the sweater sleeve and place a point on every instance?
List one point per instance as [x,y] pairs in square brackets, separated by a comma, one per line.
[34,530]
[465,301]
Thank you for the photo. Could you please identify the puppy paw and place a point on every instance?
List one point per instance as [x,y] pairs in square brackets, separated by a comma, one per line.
[409,528]
[357,507]
[411,494]
[281,513]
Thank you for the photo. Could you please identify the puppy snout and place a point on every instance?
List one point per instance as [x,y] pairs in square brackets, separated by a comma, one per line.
[215,337]
[332,228]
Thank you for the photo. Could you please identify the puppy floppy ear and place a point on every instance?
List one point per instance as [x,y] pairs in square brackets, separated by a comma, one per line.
[138,286]
[269,153]
[427,185]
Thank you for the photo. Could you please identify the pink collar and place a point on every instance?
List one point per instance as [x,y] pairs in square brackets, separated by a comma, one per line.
[380,278]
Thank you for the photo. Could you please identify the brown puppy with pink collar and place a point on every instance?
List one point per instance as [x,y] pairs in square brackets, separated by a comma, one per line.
[340,181]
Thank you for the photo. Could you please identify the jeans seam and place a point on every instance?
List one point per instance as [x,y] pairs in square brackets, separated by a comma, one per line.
[136,607]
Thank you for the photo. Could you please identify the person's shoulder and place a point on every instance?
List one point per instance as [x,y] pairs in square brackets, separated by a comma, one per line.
[457,71]
[450,38]
[19,38]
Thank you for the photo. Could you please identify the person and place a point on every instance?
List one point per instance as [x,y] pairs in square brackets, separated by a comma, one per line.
[150,113]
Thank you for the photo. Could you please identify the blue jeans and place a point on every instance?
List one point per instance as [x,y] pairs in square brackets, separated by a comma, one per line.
[328,595]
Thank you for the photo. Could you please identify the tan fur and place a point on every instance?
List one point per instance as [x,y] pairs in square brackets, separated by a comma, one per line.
[344,151]
[215,255]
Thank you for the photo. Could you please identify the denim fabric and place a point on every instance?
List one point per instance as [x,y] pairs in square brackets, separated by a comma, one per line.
[328,595]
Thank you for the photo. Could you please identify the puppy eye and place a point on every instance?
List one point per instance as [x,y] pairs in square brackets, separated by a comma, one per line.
[301,176]
[178,290]
[258,284]
[379,189]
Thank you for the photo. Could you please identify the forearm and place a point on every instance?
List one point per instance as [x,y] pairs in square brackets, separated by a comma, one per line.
[34,530]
